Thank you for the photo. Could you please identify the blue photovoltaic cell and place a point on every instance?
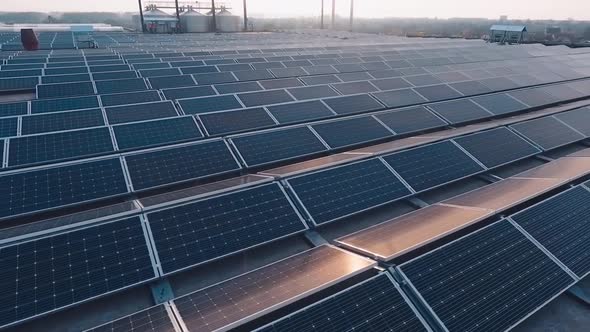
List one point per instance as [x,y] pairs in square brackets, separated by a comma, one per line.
[252,75]
[99,69]
[315,80]
[548,132]
[159,72]
[18,83]
[272,146]
[461,110]
[114,75]
[213,78]
[470,88]
[144,134]
[166,82]
[162,167]
[344,190]
[63,104]
[199,70]
[56,146]
[237,87]
[151,65]
[261,98]
[349,77]
[320,70]
[152,319]
[432,165]
[288,72]
[58,90]
[209,104]
[212,228]
[351,88]
[438,92]
[399,98]
[220,123]
[579,119]
[234,67]
[189,92]
[562,225]
[410,120]
[59,121]
[140,112]
[487,281]
[300,111]
[353,104]
[8,127]
[391,83]
[58,186]
[56,271]
[118,86]
[373,306]
[499,104]
[496,147]
[281,83]
[66,71]
[313,92]
[12,109]
[129,98]
[65,78]
[338,134]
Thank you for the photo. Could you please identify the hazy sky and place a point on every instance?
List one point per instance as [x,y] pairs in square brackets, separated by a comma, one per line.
[554,9]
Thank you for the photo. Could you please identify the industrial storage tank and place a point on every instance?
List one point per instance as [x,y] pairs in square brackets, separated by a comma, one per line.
[227,22]
[193,21]
[156,20]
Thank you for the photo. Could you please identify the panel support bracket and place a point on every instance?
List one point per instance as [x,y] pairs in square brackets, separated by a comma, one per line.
[417,202]
[580,293]
[161,291]
[315,238]
[544,158]
[491,178]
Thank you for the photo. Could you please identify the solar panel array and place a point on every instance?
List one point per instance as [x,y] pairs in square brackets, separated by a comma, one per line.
[133,122]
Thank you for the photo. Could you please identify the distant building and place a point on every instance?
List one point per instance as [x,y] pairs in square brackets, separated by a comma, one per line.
[503,18]
[512,34]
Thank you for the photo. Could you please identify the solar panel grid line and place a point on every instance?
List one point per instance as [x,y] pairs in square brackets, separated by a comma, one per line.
[5,146]
[155,258]
[55,253]
[426,304]
[397,175]
[539,145]
[570,126]
[469,154]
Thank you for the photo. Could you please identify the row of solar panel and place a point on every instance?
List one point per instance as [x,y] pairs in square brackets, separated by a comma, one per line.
[520,278]
[443,162]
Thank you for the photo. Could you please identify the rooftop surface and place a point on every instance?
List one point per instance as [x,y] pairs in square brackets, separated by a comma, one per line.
[293,181]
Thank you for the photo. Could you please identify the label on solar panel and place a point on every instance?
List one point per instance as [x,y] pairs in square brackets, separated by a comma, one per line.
[487,281]
[345,190]
[57,271]
[212,228]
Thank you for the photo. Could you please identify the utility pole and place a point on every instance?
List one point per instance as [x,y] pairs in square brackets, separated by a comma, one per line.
[177,15]
[245,17]
[322,16]
[351,13]
[333,13]
[213,14]
[141,16]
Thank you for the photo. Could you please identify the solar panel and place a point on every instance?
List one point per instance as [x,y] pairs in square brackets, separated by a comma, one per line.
[496,147]
[277,145]
[499,83]
[177,164]
[432,165]
[159,72]
[18,83]
[105,68]
[533,97]
[12,109]
[35,149]
[237,87]
[129,98]
[347,132]
[349,77]
[503,279]
[410,120]
[264,98]
[122,85]
[562,92]
[421,80]
[391,83]
[312,92]
[64,89]
[398,64]
[213,78]
[63,104]
[199,70]
[153,319]
[353,104]
[189,92]
[578,119]
[300,111]
[281,83]
[8,127]
[150,133]
[234,67]
[399,98]
[560,224]
[211,228]
[209,104]
[59,121]
[220,123]
[288,72]
[500,104]
[315,80]
[437,92]
[267,65]
[187,63]
[470,88]
[140,112]
[548,132]
[47,188]
[167,82]
[65,78]
[152,65]
[65,71]
[114,75]
[45,274]
[376,304]
[459,111]
[385,73]
[236,301]
[341,191]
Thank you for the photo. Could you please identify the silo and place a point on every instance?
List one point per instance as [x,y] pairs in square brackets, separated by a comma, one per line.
[227,22]
[193,21]
[158,20]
